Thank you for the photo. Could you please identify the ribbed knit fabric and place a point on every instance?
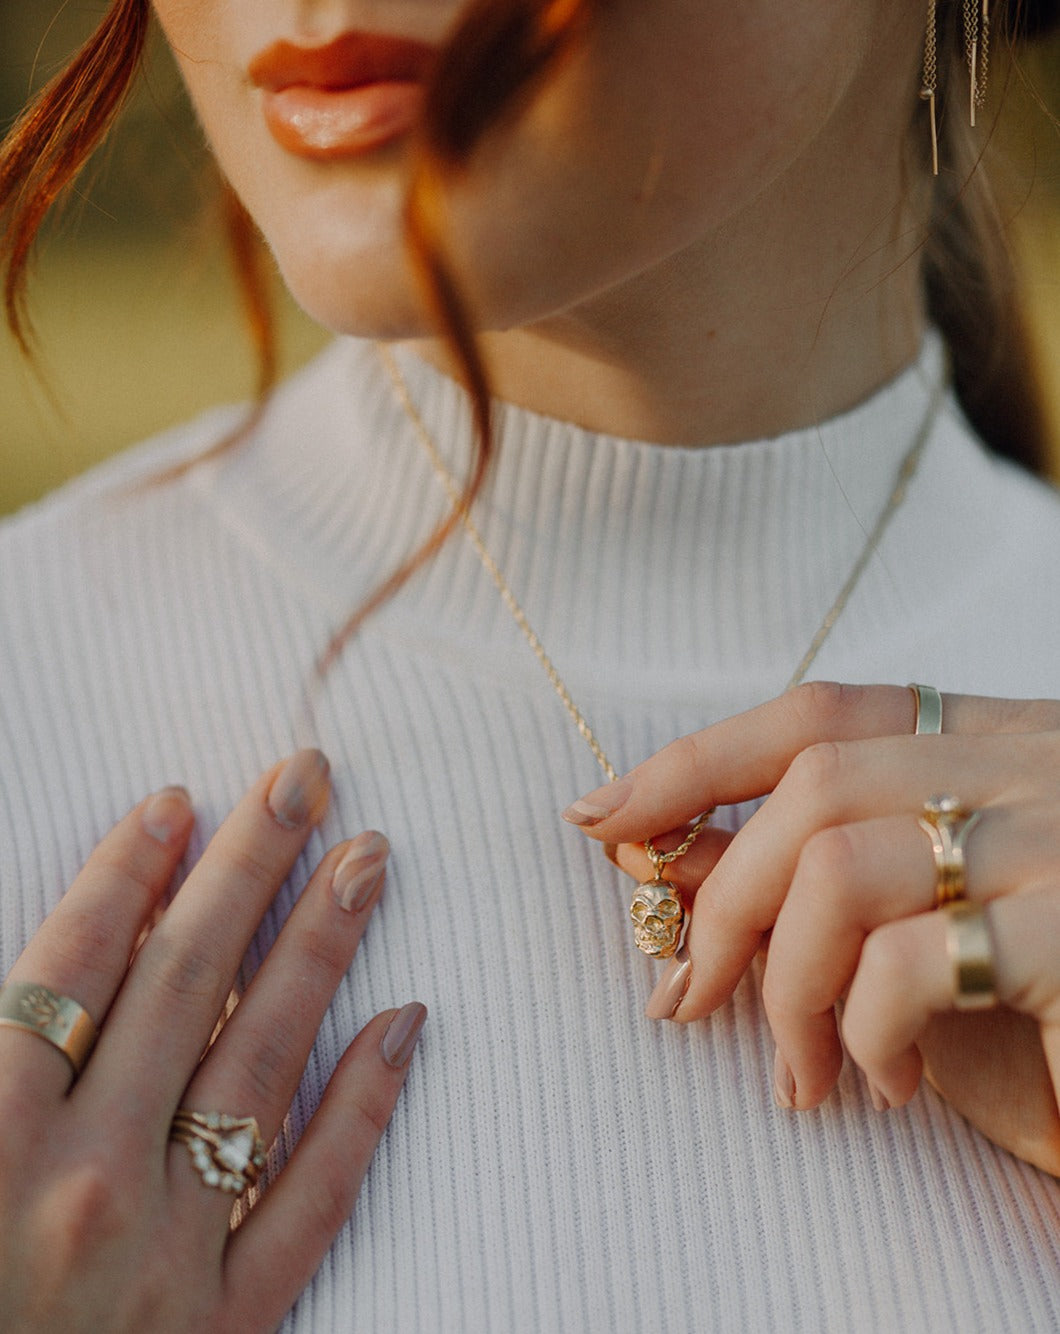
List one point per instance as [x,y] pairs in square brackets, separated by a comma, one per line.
[556,1162]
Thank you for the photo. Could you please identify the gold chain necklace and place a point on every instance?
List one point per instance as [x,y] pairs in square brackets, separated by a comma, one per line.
[657,913]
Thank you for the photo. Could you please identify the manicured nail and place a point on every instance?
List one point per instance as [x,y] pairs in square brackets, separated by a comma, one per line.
[671,988]
[598,805]
[878,1100]
[360,871]
[402,1034]
[167,814]
[299,791]
[783,1083]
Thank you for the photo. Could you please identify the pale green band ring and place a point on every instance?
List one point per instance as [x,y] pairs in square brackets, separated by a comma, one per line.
[928,710]
[37,1009]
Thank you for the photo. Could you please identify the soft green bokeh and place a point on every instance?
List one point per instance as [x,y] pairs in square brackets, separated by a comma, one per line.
[135,308]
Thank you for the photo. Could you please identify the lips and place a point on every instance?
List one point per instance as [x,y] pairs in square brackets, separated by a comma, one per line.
[349,97]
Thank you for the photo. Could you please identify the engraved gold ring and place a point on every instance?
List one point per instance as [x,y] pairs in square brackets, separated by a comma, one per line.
[35,1008]
[226,1151]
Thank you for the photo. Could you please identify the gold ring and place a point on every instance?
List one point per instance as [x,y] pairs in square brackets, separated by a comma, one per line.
[971,953]
[928,710]
[227,1151]
[57,1019]
[948,824]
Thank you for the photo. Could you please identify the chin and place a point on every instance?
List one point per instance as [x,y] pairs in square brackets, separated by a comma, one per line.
[365,297]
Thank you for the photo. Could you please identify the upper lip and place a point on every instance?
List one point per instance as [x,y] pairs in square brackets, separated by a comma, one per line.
[353,59]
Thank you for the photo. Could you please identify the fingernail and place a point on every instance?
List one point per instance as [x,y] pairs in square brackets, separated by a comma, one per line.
[670,989]
[360,871]
[878,1100]
[598,805]
[299,791]
[783,1083]
[401,1035]
[167,814]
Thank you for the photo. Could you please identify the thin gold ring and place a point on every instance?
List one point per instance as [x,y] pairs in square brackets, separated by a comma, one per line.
[60,1021]
[948,824]
[971,954]
[928,710]
[226,1151]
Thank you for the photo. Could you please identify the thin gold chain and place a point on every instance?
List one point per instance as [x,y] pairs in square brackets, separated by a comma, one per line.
[906,470]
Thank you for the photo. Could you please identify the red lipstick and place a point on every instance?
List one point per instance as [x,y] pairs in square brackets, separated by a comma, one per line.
[358,92]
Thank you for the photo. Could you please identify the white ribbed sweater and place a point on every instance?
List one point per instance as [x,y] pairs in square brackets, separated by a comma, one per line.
[557,1162]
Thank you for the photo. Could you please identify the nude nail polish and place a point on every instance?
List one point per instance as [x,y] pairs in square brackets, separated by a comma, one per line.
[299,791]
[358,874]
[402,1034]
[597,806]
[167,814]
[671,988]
[879,1100]
[783,1083]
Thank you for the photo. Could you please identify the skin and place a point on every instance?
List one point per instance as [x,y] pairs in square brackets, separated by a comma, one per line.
[702,231]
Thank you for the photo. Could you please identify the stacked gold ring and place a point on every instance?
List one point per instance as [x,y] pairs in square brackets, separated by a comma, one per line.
[928,710]
[226,1151]
[948,824]
[60,1021]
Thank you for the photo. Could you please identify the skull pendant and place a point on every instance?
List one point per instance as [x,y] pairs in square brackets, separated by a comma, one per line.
[657,919]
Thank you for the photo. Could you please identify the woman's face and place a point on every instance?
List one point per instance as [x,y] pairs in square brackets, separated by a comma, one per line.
[676,120]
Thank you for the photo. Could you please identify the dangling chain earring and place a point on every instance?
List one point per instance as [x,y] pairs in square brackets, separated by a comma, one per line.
[976,55]
[976,52]
[929,86]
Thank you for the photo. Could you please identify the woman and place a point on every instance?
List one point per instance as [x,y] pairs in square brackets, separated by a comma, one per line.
[689,224]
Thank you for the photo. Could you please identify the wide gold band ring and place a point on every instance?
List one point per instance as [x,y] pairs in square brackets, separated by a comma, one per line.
[971,953]
[928,710]
[948,824]
[227,1151]
[64,1023]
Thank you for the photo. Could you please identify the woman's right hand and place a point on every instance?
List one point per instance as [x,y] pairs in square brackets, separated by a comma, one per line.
[106,1223]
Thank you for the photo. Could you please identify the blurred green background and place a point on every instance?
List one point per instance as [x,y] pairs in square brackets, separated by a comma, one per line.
[134,304]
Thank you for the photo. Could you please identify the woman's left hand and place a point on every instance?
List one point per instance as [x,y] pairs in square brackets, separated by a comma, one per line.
[836,874]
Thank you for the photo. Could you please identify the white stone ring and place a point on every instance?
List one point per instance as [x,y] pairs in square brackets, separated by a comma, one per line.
[227,1151]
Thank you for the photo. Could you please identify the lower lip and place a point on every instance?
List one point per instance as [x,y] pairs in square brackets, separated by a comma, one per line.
[326,124]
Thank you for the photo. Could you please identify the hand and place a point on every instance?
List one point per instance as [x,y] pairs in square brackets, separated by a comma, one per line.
[105,1223]
[836,876]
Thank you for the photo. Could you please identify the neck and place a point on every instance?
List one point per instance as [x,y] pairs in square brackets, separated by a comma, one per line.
[793,310]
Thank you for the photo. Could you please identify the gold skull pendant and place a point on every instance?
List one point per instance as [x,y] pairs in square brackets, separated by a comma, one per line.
[657,917]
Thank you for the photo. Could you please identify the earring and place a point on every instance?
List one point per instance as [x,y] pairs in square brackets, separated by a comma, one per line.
[976,52]
[929,86]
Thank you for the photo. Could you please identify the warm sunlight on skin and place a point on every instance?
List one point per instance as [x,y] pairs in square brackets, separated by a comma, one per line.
[689,197]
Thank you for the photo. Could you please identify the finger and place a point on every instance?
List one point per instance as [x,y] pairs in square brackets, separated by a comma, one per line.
[850,880]
[167,1010]
[905,976]
[279,1247]
[83,948]
[827,786]
[745,757]
[257,1062]
[688,872]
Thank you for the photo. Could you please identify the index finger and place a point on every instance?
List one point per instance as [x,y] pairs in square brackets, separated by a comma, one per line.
[746,756]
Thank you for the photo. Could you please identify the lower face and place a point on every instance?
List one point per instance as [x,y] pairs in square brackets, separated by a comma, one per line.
[673,119]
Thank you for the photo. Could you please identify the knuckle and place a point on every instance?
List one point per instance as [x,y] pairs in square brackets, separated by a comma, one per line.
[323,954]
[92,1209]
[821,705]
[89,942]
[370,1114]
[271,1064]
[817,769]
[186,969]
[827,864]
